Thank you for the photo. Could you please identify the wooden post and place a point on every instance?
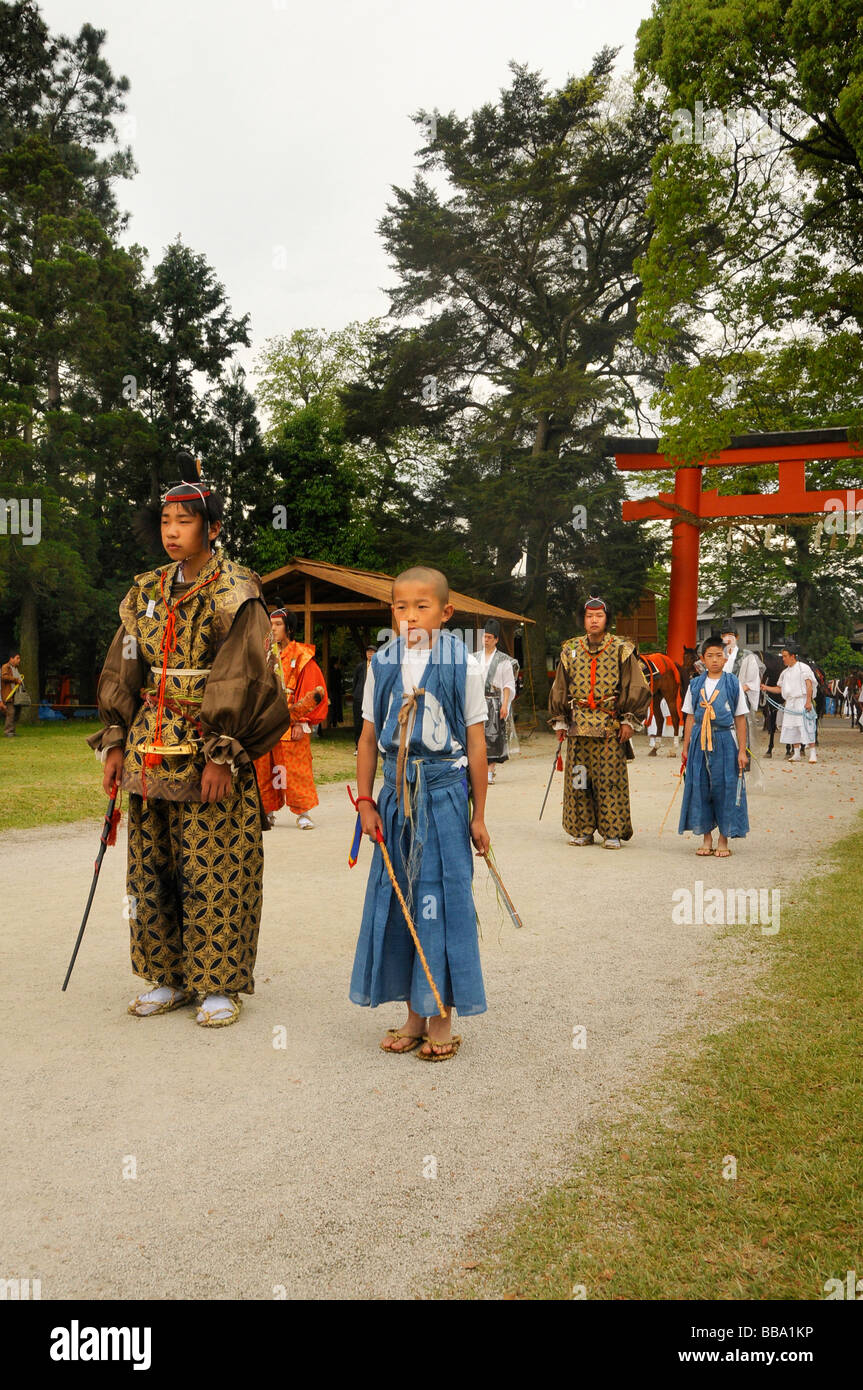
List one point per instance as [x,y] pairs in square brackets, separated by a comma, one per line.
[683,589]
[308,612]
[325,661]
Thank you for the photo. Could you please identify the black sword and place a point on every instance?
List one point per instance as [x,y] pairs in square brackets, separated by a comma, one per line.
[103,845]
[553,769]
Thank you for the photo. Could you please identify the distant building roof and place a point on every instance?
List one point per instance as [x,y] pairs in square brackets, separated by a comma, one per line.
[716,608]
[337,593]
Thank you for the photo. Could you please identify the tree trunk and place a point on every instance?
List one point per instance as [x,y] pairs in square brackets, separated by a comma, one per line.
[536,588]
[54,383]
[28,644]
[802,569]
[536,607]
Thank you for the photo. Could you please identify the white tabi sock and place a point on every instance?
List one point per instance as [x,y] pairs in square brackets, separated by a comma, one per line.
[217,1006]
[162,994]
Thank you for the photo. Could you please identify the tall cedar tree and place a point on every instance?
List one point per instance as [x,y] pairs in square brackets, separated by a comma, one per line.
[64,292]
[522,279]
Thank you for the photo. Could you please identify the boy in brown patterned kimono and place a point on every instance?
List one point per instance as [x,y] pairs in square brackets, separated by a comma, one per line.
[598,697]
[189,700]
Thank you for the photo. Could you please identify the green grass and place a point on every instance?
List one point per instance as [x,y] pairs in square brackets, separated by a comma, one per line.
[649,1215]
[49,776]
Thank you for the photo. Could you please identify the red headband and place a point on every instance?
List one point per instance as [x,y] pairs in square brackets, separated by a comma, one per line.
[175,495]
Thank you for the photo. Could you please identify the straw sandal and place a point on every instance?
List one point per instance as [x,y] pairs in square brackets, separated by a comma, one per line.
[705,853]
[416,1039]
[722,854]
[209,1021]
[454,1043]
[180,998]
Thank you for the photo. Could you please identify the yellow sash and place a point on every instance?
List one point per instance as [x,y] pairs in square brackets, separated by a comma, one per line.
[707,720]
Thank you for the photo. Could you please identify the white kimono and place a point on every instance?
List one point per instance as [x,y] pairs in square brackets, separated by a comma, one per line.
[748,675]
[792,683]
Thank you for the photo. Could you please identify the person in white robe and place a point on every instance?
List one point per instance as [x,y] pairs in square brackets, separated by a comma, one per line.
[499,677]
[797,686]
[743,664]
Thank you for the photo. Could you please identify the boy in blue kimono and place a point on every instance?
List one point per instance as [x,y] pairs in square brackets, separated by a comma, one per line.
[715,705]
[424,710]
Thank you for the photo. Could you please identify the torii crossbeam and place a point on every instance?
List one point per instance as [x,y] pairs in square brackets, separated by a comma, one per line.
[688,508]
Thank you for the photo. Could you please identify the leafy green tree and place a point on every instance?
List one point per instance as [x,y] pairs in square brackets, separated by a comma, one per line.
[310,367]
[519,287]
[310,511]
[755,257]
[839,659]
[193,335]
[64,286]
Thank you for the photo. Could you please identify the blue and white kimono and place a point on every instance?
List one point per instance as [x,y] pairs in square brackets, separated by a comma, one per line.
[710,789]
[431,853]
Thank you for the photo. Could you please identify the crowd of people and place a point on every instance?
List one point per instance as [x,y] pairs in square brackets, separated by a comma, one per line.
[208,702]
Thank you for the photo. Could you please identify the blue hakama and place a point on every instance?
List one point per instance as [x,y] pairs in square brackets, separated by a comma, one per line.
[710,788]
[431,853]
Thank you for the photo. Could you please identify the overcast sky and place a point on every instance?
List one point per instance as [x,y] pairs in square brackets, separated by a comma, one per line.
[268,132]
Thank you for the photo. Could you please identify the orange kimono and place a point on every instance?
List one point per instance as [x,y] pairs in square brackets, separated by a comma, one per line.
[285,773]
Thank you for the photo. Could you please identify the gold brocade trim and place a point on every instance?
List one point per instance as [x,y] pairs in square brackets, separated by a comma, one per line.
[171,750]
[577,660]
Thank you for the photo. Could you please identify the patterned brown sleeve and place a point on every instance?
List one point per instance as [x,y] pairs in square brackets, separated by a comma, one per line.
[634,701]
[558,702]
[244,712]
[118,692]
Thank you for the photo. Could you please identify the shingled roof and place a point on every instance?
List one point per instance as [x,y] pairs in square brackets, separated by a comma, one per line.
[342,595]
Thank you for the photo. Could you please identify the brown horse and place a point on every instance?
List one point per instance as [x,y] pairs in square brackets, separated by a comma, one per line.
[664,677]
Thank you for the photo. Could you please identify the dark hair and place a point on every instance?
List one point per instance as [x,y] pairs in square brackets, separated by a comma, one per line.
[196,498]
[609,615]
[714,640]
[288,617]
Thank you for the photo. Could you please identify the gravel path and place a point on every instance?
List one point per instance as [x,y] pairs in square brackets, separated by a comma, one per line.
[307,1168]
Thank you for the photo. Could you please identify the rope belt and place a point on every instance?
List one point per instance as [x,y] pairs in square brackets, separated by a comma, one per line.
[187,709]
[407,712]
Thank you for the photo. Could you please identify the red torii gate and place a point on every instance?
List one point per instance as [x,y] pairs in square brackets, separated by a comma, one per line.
[689,507]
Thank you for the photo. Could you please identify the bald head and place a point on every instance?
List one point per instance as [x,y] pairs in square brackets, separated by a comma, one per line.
[421,574]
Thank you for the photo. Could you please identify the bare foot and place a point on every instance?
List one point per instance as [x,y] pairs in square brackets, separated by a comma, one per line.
[414,1027]
[439,1034]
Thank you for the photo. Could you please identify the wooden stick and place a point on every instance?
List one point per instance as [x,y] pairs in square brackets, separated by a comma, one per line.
[510,905]
[407,917]
[680,777]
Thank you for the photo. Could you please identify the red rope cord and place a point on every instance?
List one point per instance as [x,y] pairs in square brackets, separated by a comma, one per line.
[168,645]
